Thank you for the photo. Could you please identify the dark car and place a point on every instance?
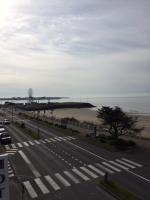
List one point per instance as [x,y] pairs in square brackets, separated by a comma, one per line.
[6,122]
[5,138]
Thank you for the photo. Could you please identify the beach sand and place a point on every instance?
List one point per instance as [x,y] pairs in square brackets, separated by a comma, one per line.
[85,114]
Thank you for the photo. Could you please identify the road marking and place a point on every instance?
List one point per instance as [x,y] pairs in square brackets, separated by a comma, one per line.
[134,163]
[37,142]
[41,185]
[10,171]
[7,147]
[30,189]
[119,165]
[84,177]
[19,144]
[86,150]
[52,183]
[11,175]
[31,143]
[73,138]
[31,166]
[112,167]
[52,140]
[145,179]
[47,140]
[89,172]
[96,170]
[62,180]
[42,141]
[57,139]
[61,138]
[13,146]
[74,179]
[104,168]
[26,144]
[67,138]
[124,163]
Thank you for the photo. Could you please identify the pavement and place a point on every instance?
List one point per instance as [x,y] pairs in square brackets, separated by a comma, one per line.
[65,167]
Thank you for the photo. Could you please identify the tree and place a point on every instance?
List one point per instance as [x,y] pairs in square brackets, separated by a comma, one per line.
[116,122]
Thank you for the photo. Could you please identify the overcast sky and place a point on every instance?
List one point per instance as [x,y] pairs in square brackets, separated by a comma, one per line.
[74,47]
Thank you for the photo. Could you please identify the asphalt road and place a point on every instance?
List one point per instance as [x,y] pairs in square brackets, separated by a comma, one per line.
[64,167]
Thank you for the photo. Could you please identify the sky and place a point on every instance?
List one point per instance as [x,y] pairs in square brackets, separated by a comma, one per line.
[74,47]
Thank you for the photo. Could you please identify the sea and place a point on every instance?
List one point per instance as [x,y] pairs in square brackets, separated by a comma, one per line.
[139,105]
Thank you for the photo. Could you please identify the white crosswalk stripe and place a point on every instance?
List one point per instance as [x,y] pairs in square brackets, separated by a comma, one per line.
[47,140]
[132,162]
[57,139]
[62,139]
[83,176]
[73,178]
[52,140]
[104,168]
[26,144]
[119,165]
[30,189]
[30,142]
[37,142]
[73,138]
[126,164]
[41,185]
[42,141]
[90,173]
[96,170]
[7,147]
[13,146]
[54,185]
[112,167]
[19,144]
[62,180]
[67,138]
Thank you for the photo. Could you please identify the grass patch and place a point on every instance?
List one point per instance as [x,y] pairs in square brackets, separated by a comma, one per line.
[27,131]
[118,191]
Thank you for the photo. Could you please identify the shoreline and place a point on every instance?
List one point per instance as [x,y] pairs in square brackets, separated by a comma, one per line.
[85,114]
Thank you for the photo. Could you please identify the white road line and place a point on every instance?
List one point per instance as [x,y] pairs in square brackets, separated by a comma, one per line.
[42,141]
[31,143]
[52,183]
[143,178]
[19,144]
[41,185]
[96,170]
[62,180]
[112,167]
[10,171]
[37,142]
[90,173]
[26,144]
[7,147]
[31,166]
[84,177]
[86,150]
[61,138]
[134,163]
[119,165]
[104,168]
[74,179]
[13,146]
[30,189]
[126,164]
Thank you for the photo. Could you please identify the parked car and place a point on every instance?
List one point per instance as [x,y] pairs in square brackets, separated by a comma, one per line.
[2,128]
[6,121]
[5,138]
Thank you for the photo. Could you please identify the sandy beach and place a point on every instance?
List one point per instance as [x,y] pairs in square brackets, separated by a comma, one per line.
[89,115]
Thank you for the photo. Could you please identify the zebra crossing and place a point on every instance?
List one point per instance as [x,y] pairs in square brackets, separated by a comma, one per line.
[11,149]
[10,171]
[59,181]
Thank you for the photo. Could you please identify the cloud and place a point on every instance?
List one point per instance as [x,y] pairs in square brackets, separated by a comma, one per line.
[65,46]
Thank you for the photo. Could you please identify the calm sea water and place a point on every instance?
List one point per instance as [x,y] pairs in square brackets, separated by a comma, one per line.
[137,105]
